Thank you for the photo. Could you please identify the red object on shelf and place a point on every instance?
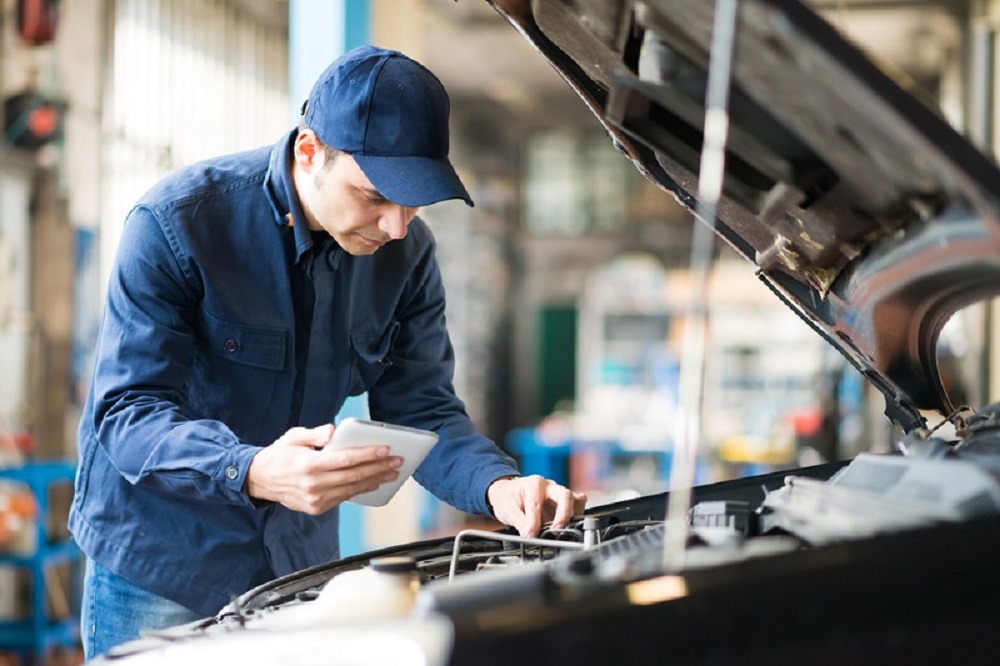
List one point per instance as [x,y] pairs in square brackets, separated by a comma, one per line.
[807,421]
[17,442]
[23,441]
[18,511]
[37,20]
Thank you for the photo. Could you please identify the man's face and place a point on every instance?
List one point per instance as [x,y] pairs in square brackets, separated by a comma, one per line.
[338,198]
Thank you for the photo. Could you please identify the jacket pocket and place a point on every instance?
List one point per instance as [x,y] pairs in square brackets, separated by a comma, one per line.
[248,345]
[372,355]
[236,378]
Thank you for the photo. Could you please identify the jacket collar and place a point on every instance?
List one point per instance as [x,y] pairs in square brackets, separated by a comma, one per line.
[279,188]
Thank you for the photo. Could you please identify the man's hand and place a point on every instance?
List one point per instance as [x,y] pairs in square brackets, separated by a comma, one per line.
[527,502]
[297,472]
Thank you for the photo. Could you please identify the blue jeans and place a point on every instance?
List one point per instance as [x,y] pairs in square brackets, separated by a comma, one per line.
[114,611]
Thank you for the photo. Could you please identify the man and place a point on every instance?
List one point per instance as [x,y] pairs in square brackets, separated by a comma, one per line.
[251,295]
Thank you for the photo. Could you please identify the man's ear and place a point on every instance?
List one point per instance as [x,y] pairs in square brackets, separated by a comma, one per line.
[307,150]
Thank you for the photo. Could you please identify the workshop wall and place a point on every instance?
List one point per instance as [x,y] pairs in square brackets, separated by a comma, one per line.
[187,79]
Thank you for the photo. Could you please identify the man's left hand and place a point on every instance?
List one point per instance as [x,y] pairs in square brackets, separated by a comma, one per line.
[527,502]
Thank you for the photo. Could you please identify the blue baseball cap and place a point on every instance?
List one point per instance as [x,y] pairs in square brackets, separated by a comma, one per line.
[390,113]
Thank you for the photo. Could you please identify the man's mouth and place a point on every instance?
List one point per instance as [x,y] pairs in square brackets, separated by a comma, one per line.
[373,241]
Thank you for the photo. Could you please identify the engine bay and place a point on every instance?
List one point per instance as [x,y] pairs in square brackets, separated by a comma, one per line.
[756,545]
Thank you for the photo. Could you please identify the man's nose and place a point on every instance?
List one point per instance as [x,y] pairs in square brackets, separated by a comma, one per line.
[394,221]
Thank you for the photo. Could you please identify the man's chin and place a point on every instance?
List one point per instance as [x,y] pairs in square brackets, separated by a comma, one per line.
[361,248]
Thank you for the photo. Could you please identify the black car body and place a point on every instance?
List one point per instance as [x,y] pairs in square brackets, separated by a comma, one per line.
[875,221]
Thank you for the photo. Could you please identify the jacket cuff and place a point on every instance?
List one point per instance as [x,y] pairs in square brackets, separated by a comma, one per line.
[233,473]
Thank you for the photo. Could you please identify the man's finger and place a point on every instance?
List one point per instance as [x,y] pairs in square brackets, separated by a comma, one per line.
[331,477]
[564,502]
[355,456]
[327,488]
[533,498]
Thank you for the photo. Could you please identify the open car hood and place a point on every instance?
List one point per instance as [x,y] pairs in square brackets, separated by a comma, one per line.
[861,208]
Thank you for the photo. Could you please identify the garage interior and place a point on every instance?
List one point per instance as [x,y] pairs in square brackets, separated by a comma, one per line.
[553,363]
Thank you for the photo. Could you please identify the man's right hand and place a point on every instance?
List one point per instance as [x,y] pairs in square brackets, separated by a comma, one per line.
[298,473]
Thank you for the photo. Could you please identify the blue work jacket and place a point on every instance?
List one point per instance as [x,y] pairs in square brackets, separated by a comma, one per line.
[200,362]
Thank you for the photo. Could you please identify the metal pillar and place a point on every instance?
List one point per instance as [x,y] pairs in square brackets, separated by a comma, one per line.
[983,24]
[982,74]
[318,32]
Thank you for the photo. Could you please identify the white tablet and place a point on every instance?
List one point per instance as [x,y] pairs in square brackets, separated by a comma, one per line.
[410,444]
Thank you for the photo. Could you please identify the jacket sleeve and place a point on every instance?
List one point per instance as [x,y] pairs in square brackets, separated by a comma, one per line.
[417,390]
[143,362]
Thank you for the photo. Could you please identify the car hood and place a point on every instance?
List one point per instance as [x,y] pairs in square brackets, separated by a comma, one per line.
[861,208]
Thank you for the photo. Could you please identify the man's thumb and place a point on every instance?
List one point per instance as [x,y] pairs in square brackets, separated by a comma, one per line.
[320,436]
[315,438]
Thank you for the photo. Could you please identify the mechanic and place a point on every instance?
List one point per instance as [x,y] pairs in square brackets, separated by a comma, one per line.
[250,296]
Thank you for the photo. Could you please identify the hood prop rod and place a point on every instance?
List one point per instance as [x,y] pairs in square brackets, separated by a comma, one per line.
[692,368]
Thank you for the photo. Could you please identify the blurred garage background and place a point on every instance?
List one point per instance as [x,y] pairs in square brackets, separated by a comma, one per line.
[567,283]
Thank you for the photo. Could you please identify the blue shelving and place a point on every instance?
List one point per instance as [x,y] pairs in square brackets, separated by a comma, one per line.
[38,634]
[553,459]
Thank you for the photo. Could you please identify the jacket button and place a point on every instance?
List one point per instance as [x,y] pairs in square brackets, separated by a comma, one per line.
[230,345]
[232,472]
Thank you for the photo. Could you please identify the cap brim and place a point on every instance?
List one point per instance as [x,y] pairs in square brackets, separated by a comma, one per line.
[413,181]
